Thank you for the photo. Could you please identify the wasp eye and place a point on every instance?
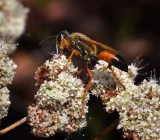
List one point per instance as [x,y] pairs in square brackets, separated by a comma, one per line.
[59,38]
[61,35]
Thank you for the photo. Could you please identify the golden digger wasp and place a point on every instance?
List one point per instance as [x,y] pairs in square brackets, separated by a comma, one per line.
[80,45]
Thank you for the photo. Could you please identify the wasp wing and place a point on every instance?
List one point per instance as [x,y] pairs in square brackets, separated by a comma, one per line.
[90,41]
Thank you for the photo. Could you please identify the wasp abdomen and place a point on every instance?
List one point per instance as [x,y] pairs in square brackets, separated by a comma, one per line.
[113,59]
[119,62]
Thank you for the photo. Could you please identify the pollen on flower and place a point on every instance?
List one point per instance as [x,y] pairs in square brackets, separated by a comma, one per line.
[7,67]
[58,100]
[4,102]
[104,84]
[133,70]
[7,72]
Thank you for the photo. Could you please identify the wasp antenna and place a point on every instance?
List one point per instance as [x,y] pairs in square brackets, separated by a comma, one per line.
[46,39]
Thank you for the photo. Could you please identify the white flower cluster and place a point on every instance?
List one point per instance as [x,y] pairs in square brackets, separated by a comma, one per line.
[12,18]
[138,106]
[58,100]
[4,102]
[7,67]
[104,83]
[141,112]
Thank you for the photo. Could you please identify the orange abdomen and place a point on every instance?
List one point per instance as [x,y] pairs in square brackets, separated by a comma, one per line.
[113,59]
[106,56]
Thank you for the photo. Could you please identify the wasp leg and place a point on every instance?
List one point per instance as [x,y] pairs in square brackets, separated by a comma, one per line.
[109,66]
[70,57]
[58,55]
[85,91]
[81,70]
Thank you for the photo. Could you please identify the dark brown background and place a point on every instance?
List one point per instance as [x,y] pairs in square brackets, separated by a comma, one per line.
[130,26]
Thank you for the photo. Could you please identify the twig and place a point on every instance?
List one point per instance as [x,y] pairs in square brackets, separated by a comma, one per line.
[3,131]
[107,130]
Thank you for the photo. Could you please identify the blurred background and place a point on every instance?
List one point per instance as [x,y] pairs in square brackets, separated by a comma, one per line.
[131,27]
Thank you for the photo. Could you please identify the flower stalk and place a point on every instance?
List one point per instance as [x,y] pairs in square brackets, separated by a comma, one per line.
[16,124]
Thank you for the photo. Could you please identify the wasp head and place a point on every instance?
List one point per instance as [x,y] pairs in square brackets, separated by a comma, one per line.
[62,35]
